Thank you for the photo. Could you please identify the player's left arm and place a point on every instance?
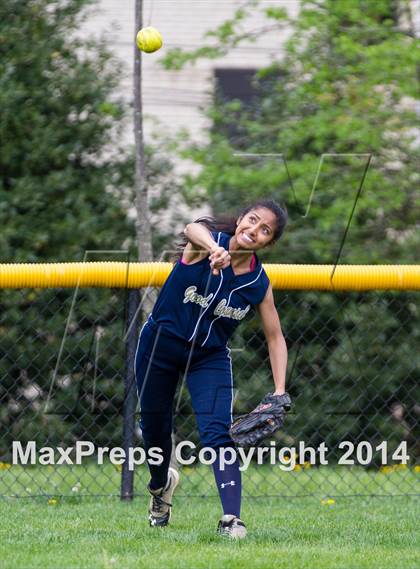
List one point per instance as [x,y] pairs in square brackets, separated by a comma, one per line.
[277,347]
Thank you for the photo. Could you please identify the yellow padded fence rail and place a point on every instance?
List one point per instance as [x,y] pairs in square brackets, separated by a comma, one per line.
[136,275]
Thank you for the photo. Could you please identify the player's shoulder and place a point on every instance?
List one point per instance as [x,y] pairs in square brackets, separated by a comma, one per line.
[261,282]
[221,238]
[259,268]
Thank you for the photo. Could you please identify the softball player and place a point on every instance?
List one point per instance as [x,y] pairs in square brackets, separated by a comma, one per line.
[212,287]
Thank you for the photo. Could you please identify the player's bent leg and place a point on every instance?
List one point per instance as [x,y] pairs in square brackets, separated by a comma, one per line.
[157,376]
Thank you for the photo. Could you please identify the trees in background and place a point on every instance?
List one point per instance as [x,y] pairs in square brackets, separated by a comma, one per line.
[66,187]
[345,87]
[61,161]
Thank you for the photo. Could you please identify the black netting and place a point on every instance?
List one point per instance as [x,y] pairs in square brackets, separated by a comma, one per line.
[353,375]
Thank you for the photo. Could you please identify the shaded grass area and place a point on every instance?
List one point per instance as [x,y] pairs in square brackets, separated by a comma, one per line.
[89,533]
[259,480]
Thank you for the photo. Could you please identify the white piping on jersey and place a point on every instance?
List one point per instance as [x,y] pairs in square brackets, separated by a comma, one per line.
[209,304]
[137,349]
[231,385]
[227,304]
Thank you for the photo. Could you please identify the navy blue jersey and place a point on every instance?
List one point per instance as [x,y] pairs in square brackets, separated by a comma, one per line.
[195,304]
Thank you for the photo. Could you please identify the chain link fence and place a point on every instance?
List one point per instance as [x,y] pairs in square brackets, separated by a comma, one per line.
[353,376]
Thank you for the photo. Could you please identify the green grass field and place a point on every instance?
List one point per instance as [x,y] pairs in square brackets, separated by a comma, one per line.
[68,528]
[283,533]
[77,531]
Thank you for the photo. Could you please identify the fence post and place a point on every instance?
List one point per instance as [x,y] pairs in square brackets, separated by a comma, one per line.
[130,394]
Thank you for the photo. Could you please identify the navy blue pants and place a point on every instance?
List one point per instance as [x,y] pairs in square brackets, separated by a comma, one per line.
[161,359]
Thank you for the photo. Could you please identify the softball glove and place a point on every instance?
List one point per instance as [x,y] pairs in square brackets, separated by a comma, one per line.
[267,418]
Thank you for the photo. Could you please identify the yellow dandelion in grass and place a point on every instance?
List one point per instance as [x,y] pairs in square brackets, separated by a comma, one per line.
[52,502]
[400,467]
[307,465]
[288,457]
[417,468]
[118,467]
[5,466]
[187,470]
[386,469]
[328,502]
[297,468]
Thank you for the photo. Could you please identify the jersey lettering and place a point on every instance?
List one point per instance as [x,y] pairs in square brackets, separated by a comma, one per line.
[190,295]
[231,312]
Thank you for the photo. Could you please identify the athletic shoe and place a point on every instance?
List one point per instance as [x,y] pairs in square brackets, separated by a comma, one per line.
[232,527]
[160,502]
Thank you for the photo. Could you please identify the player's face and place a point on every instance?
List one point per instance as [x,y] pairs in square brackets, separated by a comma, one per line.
[255,229]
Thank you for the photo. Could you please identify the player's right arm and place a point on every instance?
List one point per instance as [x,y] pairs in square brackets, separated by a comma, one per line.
[201,244]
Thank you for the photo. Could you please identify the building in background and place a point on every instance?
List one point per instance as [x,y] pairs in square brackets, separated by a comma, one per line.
[178,98]
[175,100]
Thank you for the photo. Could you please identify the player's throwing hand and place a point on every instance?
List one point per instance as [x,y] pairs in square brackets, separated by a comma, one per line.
[219,259]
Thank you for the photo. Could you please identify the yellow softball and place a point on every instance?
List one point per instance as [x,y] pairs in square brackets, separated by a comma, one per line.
[149,39]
